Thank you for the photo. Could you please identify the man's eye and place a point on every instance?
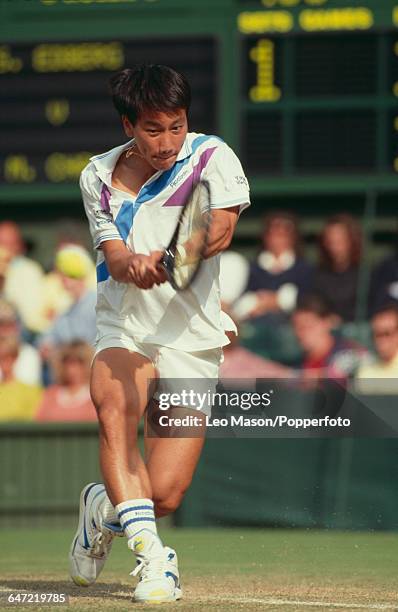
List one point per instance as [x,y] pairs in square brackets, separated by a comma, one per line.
[176,128]
[152,132]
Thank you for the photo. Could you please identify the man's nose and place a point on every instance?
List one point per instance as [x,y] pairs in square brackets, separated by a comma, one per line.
[166,146]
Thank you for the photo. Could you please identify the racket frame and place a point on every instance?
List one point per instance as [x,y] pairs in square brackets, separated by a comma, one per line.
[168,260]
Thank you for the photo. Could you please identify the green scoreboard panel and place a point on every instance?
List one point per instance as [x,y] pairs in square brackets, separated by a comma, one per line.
[56,110]
[306,91]
[319,88]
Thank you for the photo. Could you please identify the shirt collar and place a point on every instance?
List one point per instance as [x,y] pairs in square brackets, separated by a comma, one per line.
[268,261]
[106,162]
[186,149]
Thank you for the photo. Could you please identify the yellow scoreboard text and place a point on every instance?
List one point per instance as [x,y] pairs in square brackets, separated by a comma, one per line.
[258,22]
[309,20]
[77,57]
[58,167]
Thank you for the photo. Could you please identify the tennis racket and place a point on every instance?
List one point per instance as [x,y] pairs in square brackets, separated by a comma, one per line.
[183,257]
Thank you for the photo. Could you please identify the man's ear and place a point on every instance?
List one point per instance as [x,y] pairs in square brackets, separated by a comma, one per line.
[127,126]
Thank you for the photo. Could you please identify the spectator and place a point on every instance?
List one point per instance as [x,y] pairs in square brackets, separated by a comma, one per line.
[18,401]
[371,377]
[69,398]
[384,283]
[325,355]
[336,278]
[22,278]
[78,322]
[5,259]
[27,364]
[56,298]
[279,274]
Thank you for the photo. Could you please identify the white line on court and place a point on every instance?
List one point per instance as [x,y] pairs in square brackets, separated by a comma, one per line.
[290,602]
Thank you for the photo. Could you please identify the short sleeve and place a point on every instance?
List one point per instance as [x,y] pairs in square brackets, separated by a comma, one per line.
[100,218]
[228,183]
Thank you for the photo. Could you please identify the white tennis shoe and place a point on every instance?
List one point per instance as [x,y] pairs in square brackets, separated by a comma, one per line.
[159,578]
[93,539]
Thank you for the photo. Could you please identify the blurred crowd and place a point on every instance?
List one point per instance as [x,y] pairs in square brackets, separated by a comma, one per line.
[296,318]
[47,331]
[301,318]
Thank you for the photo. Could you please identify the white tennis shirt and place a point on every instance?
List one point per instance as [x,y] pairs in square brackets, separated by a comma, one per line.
[191,320]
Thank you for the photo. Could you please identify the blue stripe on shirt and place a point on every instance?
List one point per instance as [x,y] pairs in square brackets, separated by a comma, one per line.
[102,272]
[155,187]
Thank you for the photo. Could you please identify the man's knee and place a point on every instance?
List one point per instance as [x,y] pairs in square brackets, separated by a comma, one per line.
[167,500]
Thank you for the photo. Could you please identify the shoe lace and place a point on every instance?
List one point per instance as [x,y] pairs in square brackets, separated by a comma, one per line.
[100,544]
[149,568]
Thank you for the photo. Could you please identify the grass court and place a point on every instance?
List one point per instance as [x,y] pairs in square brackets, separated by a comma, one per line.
[221,569]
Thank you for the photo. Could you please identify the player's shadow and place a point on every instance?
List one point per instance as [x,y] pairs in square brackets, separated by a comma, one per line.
[68,588]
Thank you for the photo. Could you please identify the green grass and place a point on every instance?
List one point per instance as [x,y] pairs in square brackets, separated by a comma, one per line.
[222,569]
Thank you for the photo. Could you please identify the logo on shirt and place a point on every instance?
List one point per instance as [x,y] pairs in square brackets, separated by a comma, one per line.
[241,180]
[99,213]
[179,178]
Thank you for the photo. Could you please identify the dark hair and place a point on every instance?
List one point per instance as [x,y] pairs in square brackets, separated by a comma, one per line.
[314,303]
[354,233]
[149,87]
[387,306]
[290,220]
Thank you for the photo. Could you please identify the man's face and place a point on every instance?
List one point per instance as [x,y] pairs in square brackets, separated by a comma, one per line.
[385,334]
[75,371]
[74,286]
[337,242]
[10,239]
[159,136]
[310,329]
[280,237]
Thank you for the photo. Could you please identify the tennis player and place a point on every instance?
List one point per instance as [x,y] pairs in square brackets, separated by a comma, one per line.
[146,330]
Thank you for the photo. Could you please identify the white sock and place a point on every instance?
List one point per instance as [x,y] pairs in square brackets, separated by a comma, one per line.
[137,519]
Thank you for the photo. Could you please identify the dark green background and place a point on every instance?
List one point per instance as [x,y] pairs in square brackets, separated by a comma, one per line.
[332,131]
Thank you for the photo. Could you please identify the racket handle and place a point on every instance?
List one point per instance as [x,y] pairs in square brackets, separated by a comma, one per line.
[168,261]
[174,258]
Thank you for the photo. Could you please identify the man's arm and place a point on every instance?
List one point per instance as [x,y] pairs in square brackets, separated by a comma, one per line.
[229,195]
[223,223]
[127,267]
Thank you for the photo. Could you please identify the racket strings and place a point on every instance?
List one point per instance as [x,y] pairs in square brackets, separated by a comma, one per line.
[191,236]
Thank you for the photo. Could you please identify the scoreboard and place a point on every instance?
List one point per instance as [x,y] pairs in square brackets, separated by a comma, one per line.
[57,112]
[321,84]
[305,91]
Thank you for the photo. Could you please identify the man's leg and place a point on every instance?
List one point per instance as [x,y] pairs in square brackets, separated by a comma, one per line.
[119,388]
[120,391]
[171,456]
[171,464]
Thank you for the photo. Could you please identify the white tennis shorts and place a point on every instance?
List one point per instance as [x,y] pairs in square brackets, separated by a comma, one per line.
[190,376]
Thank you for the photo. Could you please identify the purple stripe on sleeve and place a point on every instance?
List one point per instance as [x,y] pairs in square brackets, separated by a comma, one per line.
[179,196]
[105,197]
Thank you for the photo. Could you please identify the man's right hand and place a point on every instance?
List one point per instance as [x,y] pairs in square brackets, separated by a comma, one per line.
[127,267]
[144,272]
